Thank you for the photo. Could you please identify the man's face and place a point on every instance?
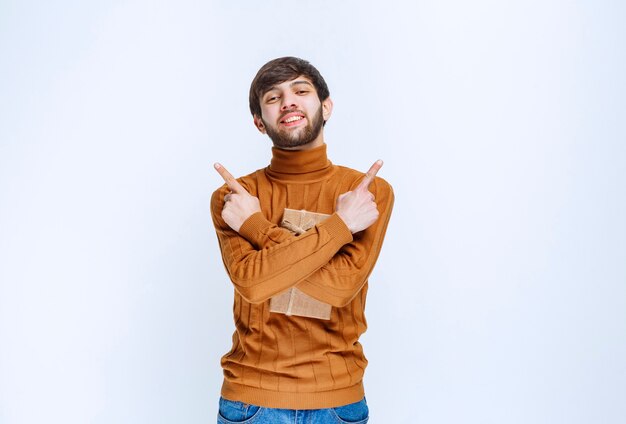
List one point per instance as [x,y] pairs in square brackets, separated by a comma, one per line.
[292,114]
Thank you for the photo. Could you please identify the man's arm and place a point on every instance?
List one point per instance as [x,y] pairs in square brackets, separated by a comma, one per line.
[267,259]
[343,277]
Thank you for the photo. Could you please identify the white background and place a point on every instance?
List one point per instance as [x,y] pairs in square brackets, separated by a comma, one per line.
[500,294]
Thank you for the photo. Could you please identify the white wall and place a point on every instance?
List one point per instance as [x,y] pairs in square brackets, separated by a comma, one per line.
[500,295]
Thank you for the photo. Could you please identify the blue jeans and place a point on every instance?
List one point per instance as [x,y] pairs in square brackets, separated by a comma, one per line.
[239,412]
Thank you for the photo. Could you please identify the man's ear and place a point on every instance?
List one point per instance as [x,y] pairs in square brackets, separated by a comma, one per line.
[258,123]
[327,108]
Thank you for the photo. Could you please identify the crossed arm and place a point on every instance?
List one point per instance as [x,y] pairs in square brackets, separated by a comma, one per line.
[330,262]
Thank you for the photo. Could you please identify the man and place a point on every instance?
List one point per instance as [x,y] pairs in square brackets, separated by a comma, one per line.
[298,240]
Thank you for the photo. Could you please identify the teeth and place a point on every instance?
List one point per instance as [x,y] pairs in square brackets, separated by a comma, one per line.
[292,119]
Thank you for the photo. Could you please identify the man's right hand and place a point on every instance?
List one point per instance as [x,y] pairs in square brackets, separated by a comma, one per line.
[239,205]
[357,207]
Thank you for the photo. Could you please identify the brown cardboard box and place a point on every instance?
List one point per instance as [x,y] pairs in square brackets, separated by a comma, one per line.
[294,301]
[300,221]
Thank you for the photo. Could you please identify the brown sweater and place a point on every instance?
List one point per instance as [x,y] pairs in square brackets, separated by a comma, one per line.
[290,361]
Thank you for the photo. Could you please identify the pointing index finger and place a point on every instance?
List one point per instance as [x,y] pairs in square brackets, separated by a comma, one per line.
[369,177]
[230,181]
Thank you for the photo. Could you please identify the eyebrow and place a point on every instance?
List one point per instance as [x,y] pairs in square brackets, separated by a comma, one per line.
[300,82]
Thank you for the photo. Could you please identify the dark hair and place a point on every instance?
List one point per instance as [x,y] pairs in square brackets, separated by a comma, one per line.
[280,70]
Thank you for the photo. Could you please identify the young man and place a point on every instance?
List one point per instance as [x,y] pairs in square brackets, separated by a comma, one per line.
[298,240]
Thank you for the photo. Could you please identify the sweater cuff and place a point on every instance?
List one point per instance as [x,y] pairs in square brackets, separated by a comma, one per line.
[254,226]
[336,227]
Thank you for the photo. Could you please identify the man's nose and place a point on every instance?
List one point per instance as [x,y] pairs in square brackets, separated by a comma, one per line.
[288,102]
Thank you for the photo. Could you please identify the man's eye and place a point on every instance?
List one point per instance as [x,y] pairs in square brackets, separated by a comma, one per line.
[271,99]
[302,91]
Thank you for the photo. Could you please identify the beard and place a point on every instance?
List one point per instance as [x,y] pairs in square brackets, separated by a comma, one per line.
[285,139]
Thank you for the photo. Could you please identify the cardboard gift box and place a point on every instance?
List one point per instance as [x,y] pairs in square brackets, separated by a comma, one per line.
[294,301]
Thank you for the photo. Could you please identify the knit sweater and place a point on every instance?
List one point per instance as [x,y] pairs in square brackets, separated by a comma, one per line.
[289,361]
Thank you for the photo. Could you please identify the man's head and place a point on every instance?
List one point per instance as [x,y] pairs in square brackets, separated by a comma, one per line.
[290,101]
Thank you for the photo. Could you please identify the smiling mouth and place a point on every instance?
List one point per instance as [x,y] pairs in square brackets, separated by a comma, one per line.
[292,119]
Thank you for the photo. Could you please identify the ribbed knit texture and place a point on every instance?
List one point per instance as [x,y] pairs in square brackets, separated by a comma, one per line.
[294,362]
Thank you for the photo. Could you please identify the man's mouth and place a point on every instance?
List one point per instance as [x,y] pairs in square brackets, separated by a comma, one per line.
[292,119]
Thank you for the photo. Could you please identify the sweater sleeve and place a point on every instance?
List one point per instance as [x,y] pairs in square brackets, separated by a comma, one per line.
[342,278]
[337,281]
[260,273]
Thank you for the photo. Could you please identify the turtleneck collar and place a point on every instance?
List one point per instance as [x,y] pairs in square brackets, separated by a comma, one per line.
[300,165]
